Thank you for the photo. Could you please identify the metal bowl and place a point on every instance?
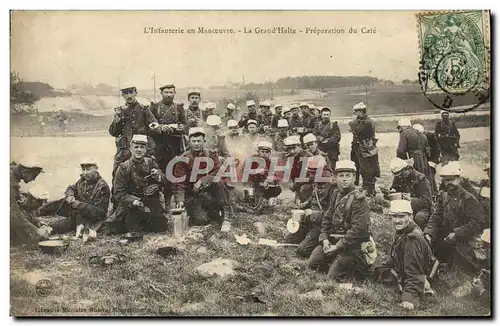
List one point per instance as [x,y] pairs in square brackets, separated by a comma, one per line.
[132,236]
[399,196]
[53,246]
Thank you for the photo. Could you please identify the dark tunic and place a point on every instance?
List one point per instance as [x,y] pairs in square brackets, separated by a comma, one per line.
[363,131]
[413,144]
[308,122]
[193,118]
[329,137]
[448,138]
[411,258]
[250,116]
[168,145]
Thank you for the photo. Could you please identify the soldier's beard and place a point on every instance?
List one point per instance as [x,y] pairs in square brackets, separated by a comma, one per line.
[168,99]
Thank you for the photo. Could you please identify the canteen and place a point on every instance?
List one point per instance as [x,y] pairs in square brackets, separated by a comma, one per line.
[180,221]
[249,195]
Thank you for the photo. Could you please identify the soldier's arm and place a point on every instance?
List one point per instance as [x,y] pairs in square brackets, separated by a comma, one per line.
[121,186]
[217,165]
[423,191]
[335,133]
[455,132]
[116,126]
[475,219]
[148,119]
[180,169]
[96,210]
[436,219]
[326,222]
[71,190]
[414,260]
[401,151]
[360,219]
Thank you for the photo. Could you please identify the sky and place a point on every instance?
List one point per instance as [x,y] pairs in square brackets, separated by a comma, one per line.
[74,47]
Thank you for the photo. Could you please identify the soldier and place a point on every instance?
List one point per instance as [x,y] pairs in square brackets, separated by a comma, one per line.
[434,151]
[313,197]
[413,145]
[193,114]
[209,110]
[278,108]
[137,186]
[171,118]
[293,150]
[63,121]
[287,113]
[230,113]
[313,111]
[252,136]
[364,150]
[215,141]
[408,180]
[410,258]
[133,118]
[267,117]
[85,203]
[204,198]
[251,115]
[280,136]
[344,238]
[294,120]
[448,138]
[429,153]
[234,133]
[311,144]
[307,121]
[24,229]
[456,221]
[328,133]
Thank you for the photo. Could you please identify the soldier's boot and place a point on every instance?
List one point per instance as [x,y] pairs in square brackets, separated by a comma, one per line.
[228,216]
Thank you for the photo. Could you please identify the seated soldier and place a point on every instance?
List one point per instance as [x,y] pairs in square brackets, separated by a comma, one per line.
[216,141]
[24,228]
[265,188]
[138,184]
[203,197]
[409,180]
[85,204]
[312,196]
[233,133]
[346,248]
[311,144]
[298,157]
[252,134]
[455,225]
[410,259]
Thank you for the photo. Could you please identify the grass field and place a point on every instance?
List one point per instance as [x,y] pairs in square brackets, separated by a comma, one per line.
[268,281]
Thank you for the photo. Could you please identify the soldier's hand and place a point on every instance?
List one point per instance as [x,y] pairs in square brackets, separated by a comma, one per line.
[407,305]
[308,212]
[428,238]
[156,174]
[74,203]
[70,199]
[327,246]
[179,205]
[167,129]
[450,238]
[197,185]
[138,203]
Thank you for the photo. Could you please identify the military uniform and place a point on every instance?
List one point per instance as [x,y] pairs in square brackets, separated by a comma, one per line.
[135,120]
[413,144]
[250,116]
[328,140]
[352,226]
[419,189]
[93,196]
[278,143]
[172,144]
[325,156]
[266,121]
[411,259]
[448,139]
[226,117]
[294,123]
[193,118]
[456,212]
[314,196]
[212,198]
[308,122]
[133,182]
[274,120]
[364,153]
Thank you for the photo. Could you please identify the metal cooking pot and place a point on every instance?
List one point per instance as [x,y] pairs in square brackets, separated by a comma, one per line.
[53,246]
[298,214]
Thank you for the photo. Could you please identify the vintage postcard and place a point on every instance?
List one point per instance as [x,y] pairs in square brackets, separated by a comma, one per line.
[250,163]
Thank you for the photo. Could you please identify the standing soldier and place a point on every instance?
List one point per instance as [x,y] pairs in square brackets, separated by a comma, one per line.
[138,185]
[267,116]
[131,119]
[410,258]
[313,197]
[280,135]
[345,240]
[458,220]
[364,151]
[328,133]
[215,141]
[204,198]
[311,144]
[172,119]
[63,121]
[413,145]
[251,115]
[278,108]
[193,114]
[448,138]
[408,180]
[230,113]
[428,153]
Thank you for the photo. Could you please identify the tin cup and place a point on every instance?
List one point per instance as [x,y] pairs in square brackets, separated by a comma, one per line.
[298,214]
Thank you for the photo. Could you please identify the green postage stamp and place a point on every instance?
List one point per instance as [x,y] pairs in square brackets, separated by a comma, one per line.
[454,52]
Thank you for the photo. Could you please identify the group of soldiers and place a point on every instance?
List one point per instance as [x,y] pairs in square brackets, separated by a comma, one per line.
[159,145]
